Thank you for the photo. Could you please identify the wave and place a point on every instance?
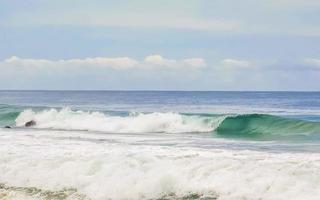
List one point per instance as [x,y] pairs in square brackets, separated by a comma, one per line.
[244,125]
[68,119]
[266,126]
[8,114]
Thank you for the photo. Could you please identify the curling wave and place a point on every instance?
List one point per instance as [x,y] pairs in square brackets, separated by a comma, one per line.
[244,126]
[266,126]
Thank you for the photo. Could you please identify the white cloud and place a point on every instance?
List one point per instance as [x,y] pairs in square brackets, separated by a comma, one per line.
[115,63]
[118,63]
[14,60]
[157,60]
[313,63]
[237,64]
[195,62]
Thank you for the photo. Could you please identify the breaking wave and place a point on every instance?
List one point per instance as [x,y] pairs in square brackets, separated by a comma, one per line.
[67,119]
[244,126]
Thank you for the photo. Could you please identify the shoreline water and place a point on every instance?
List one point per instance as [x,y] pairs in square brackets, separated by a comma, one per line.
[151,167]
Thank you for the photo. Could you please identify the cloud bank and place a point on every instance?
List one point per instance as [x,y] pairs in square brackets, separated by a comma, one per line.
[117,63]
[157,62]
[156,72]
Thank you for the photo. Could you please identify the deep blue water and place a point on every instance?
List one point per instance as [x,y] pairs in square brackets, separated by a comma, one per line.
[281,102]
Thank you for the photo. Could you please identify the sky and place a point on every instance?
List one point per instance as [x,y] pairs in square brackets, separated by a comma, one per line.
[160,45]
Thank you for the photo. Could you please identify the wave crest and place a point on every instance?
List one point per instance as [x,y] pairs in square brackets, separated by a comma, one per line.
[68,119]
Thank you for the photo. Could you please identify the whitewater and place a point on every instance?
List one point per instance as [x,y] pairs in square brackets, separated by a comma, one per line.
[159,145]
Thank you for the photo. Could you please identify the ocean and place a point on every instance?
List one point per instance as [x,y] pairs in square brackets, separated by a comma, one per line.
[160,145]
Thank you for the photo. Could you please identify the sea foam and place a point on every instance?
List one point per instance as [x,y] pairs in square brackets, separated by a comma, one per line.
[123,167]
[68,119]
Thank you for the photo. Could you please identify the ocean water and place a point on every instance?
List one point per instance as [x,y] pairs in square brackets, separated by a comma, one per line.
[160,145]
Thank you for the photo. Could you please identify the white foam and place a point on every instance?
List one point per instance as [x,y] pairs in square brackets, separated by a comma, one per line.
[67,119]
[120,167]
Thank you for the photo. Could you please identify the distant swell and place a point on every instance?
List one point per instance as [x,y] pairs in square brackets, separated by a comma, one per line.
[244,126]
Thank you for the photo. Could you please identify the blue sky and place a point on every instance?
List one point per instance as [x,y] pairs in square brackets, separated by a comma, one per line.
[160,44]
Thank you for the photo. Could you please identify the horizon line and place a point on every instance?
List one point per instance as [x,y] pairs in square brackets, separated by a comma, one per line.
[142,90]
